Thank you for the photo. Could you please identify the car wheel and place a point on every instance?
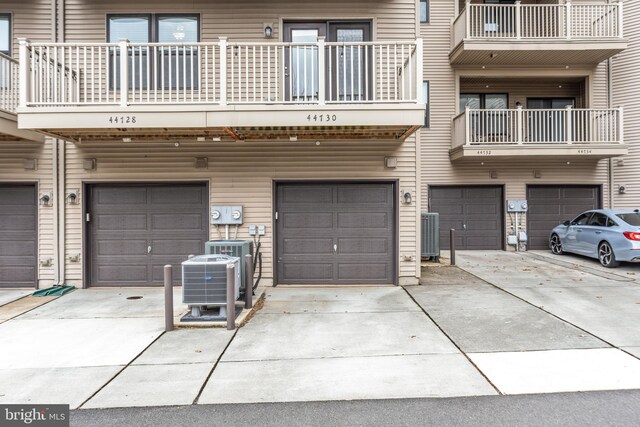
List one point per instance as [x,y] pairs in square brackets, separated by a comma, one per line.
[606,255]
[556,245]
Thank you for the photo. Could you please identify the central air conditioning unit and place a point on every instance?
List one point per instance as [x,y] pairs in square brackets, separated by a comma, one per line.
[204,280]
[234,248]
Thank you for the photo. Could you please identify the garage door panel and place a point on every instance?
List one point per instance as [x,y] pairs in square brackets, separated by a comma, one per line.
[307,272]
[177,195]
[18,235]
[122,222]
[364,220]
[121,236]
[176,222]
[551,205]
[307,246]
[475,212]
[358,218]
[300,194]
[363,246]
[361,272]
[372,194]
[128,196]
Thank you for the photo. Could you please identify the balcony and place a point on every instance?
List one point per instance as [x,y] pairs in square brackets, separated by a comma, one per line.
[222,90]
[537,34]
[9,102]
[538,134]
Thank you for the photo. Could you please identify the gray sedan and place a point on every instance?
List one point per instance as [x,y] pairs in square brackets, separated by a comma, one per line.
[611,236]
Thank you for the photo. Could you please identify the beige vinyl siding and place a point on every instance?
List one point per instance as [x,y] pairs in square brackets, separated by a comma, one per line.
[626,78]
[435,142]
[242,173]
[30,19]
[85,20]
[12,158]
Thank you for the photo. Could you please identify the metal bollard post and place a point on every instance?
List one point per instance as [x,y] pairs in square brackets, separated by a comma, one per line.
[248,281]
[452,244]
[231,297]
[168,298]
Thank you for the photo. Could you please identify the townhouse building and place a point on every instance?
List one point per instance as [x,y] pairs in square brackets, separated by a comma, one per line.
[126,124]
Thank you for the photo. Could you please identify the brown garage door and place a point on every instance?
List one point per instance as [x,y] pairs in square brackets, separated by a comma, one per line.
[335,233]
[550,205]
[474,211]
[18,236]
[134,230]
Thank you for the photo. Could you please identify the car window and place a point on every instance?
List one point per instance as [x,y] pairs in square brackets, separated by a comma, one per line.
[631,218]
[582,219]
[598,220]
[611,223]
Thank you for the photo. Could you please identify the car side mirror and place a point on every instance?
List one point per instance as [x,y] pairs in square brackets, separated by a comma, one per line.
[566,223]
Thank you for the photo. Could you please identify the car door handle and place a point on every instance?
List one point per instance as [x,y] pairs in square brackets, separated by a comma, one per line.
[598,232]
[579,230]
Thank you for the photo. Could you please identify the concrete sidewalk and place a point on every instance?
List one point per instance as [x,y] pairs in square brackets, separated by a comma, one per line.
[499,323]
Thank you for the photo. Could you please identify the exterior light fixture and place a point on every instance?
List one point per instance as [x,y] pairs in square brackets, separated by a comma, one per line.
[71,198]
[622,189]
[45,199]
[406,197]
[268,30]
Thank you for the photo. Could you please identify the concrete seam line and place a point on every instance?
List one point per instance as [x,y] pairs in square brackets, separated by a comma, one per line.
[453,342]
[215,365]
[120,371]
[551,314]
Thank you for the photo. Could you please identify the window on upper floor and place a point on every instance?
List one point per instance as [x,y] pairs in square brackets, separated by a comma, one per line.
[424,11]
[425,95]
[5,33]
[171,66]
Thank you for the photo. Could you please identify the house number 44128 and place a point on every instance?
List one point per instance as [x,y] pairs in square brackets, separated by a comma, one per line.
[122,120]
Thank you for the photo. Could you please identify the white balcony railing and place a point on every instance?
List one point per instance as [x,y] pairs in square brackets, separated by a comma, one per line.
[539,21]
[520,126]
[222,72]
[8,84]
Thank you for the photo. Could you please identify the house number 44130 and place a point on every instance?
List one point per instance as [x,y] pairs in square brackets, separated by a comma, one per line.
[322,118]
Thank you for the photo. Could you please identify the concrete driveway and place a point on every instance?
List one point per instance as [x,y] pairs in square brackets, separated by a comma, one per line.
[499,323]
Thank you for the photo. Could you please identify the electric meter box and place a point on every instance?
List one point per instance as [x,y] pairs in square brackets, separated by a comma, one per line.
[517,206]
[226,215]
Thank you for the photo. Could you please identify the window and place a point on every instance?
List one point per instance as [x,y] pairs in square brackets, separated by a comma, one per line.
[598,220]
[168,63]
[582,219]
[425,96]
[489,101]
[630,218]
[424,11]
[5,33]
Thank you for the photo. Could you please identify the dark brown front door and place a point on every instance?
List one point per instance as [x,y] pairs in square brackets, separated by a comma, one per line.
[475,212]
[134,230]
[329,233]
[18,236]
[550,205]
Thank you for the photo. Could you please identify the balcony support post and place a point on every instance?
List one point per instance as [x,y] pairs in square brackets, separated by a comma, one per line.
[567,19]
[321,70]
[123,47]
[568,125]
[223,71]
[419,71]
[620,19]
[518,20]
[519,124]
[467,19]
[620,125]
[23,73]
[467,126]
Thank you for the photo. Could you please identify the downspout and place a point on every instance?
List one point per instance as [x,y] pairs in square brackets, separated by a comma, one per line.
[54,171]
[609,104]
[62,172]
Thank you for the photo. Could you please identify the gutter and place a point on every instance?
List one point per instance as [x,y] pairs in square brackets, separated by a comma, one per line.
[611,176]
